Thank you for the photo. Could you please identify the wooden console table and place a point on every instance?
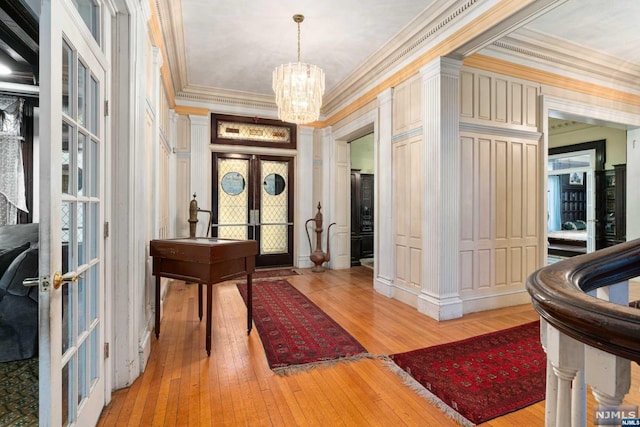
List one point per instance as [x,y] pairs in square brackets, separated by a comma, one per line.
[204,261]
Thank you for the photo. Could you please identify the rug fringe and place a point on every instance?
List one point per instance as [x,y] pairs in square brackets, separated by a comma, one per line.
[294,369]
[409,381]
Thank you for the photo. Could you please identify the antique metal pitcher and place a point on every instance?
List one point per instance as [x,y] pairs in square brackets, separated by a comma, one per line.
[318,257]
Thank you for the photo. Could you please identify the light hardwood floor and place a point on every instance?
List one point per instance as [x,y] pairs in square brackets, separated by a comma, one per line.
[235,387]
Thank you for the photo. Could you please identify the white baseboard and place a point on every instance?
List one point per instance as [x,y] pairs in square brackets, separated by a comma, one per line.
[440,309]
[494,301]
[383,286]
[304,262]
[144,349]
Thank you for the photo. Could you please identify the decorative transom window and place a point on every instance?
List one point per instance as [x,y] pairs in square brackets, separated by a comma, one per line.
[252,131]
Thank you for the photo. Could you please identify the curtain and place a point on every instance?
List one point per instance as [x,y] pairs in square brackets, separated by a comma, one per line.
[12,187]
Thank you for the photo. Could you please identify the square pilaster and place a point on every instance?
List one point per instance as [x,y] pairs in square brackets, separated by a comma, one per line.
[441,199]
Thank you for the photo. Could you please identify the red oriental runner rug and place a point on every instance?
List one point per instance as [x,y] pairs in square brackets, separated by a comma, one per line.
[262,274]
[296,333]
[479,378]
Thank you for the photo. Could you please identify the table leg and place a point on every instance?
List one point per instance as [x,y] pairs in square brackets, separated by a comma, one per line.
[209,301]
[157,307]
[200,301]
[249,303]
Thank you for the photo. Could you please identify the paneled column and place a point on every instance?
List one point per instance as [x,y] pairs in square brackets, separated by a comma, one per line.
[173,136]
[441,199]
[304,203]
[326,142]
[384,258]
[200,168]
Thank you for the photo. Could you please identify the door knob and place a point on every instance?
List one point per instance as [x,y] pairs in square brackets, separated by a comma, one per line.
[59,279]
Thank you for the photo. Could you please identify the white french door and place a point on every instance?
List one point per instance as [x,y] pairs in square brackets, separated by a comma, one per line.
[72,132]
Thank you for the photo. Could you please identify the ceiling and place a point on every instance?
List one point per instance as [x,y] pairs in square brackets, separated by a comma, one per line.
[236,44]
[229,48]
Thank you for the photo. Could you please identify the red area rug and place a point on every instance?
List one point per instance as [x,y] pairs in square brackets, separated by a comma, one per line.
[262,274]
[296,333]
[479,378]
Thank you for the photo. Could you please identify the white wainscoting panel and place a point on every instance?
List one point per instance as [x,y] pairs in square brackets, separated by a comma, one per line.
[183,140]
[183,195]
[407,212]
[407,105]
[499,213]
[498,100]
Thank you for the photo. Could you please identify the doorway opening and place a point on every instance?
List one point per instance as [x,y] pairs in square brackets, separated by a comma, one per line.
[586,186]
[362,201]
[571,207]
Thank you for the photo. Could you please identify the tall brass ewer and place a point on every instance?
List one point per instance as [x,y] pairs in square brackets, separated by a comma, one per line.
[193,217]
[318,257]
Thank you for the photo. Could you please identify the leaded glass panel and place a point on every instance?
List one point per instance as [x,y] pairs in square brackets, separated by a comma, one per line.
[274,209]
[233,198]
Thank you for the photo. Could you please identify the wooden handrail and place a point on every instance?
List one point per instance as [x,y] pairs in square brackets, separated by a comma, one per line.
[558,295]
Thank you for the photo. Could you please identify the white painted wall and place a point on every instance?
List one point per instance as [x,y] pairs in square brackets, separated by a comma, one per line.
[616,144]
[362,154]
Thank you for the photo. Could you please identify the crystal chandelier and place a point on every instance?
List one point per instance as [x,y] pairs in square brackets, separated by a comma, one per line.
[299,88]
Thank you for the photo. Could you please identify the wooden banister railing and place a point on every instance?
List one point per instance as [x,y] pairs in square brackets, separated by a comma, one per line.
[588,340]
[558,293]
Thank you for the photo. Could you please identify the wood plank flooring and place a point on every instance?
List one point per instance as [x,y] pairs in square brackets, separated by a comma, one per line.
[235,387]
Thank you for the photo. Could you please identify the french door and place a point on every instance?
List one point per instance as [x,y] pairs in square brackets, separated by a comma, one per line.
[72,137]
[253,199]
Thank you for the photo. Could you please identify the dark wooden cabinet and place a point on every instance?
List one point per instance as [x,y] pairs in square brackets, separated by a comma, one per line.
[573,205]
[615,206]
[361,216]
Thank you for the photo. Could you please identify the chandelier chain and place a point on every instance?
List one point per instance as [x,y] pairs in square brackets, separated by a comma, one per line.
[298,41]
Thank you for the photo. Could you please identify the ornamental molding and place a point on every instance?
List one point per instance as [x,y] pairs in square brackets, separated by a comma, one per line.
[415,39]
[529,47]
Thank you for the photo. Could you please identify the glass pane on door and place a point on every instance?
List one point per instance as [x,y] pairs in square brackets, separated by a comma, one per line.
[80,222]
[233,198]
[274,207]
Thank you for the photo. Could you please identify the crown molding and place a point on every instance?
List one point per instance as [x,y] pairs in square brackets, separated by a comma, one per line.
[413,40]
[169,15]
[455,29]
[563,57]
[410,42]
[441,20]
[502,28]
[208,95]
